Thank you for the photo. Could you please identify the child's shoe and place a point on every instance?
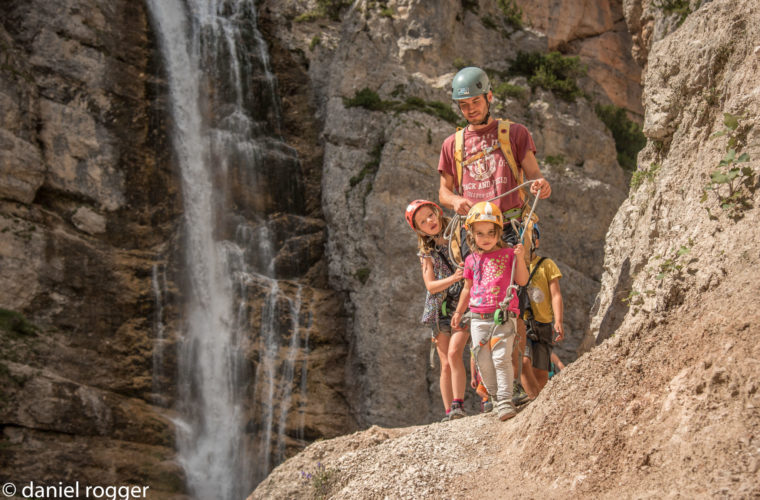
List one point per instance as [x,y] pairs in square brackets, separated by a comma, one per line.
[456,411]
[506,410]
[486,406]
[519,396]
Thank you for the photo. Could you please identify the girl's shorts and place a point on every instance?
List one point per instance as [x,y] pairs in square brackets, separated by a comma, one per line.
[444,327]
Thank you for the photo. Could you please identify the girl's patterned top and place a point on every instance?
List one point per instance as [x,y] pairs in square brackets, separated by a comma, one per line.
[442,268]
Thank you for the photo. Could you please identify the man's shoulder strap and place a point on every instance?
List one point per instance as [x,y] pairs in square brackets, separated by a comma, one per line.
[459,156]
[506,148]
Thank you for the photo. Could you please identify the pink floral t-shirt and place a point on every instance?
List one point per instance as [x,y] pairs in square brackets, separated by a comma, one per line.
[490,274]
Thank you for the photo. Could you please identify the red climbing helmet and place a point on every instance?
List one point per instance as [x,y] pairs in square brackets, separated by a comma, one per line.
[412,208]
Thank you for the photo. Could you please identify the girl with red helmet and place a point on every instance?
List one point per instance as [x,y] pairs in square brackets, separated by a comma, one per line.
[443,280]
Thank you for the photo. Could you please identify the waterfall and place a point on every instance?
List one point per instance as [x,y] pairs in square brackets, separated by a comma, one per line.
[289,369]
[158,281]
[223,103]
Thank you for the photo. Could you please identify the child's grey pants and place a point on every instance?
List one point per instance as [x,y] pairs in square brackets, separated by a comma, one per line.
[494,358]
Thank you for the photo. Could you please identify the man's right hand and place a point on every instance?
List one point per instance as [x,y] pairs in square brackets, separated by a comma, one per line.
[462,206]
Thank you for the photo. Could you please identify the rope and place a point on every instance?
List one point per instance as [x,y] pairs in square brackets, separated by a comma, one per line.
[512,287]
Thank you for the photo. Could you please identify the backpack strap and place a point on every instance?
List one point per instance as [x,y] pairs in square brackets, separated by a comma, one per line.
[506,148]
[458,157]
[538,264]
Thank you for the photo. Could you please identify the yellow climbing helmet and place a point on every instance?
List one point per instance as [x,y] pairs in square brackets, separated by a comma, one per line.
[485,211]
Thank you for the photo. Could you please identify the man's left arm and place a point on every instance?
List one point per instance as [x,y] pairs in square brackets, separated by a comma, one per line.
[533,172]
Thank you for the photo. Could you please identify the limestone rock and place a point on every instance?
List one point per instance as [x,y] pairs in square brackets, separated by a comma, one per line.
[597,32]
[89,221]
[688,90]
[21,170]
[77,159]
[79,163]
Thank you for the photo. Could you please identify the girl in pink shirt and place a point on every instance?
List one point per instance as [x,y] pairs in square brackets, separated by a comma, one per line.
[488,275]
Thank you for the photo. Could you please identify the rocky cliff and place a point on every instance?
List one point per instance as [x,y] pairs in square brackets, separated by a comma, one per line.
[598,34]
[665,403]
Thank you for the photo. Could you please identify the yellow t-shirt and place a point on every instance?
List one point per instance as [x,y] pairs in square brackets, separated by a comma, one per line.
[538,289]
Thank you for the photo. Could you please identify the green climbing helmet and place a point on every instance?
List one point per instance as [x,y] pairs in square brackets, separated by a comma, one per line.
[469,82]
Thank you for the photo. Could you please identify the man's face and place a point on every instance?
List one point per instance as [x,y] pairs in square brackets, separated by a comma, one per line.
[474,109]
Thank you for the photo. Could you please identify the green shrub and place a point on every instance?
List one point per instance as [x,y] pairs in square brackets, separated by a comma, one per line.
[504,90]
[554,160]
[443,111]
[678,7]
[308,17]
[368,99]
[371,167]
[325,8]
[471,5]
[734,182]
[639,176]
[629,139]
[512,13]
[323,479]
[16,324]
[488,22]
[460,63]
[551,71]
[333,8]
[314,42]
[362,274]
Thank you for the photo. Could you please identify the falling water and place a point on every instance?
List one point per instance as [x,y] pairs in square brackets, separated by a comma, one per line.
[158,280]
[209,48]
[288,373]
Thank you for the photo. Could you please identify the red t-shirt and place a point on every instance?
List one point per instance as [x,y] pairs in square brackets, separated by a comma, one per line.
[488,176]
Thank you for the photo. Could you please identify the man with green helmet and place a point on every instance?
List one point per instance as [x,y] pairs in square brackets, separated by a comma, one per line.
[488,158]
[485,167]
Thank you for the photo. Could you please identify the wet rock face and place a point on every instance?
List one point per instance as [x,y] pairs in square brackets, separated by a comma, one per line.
[83,211]
[91,251]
